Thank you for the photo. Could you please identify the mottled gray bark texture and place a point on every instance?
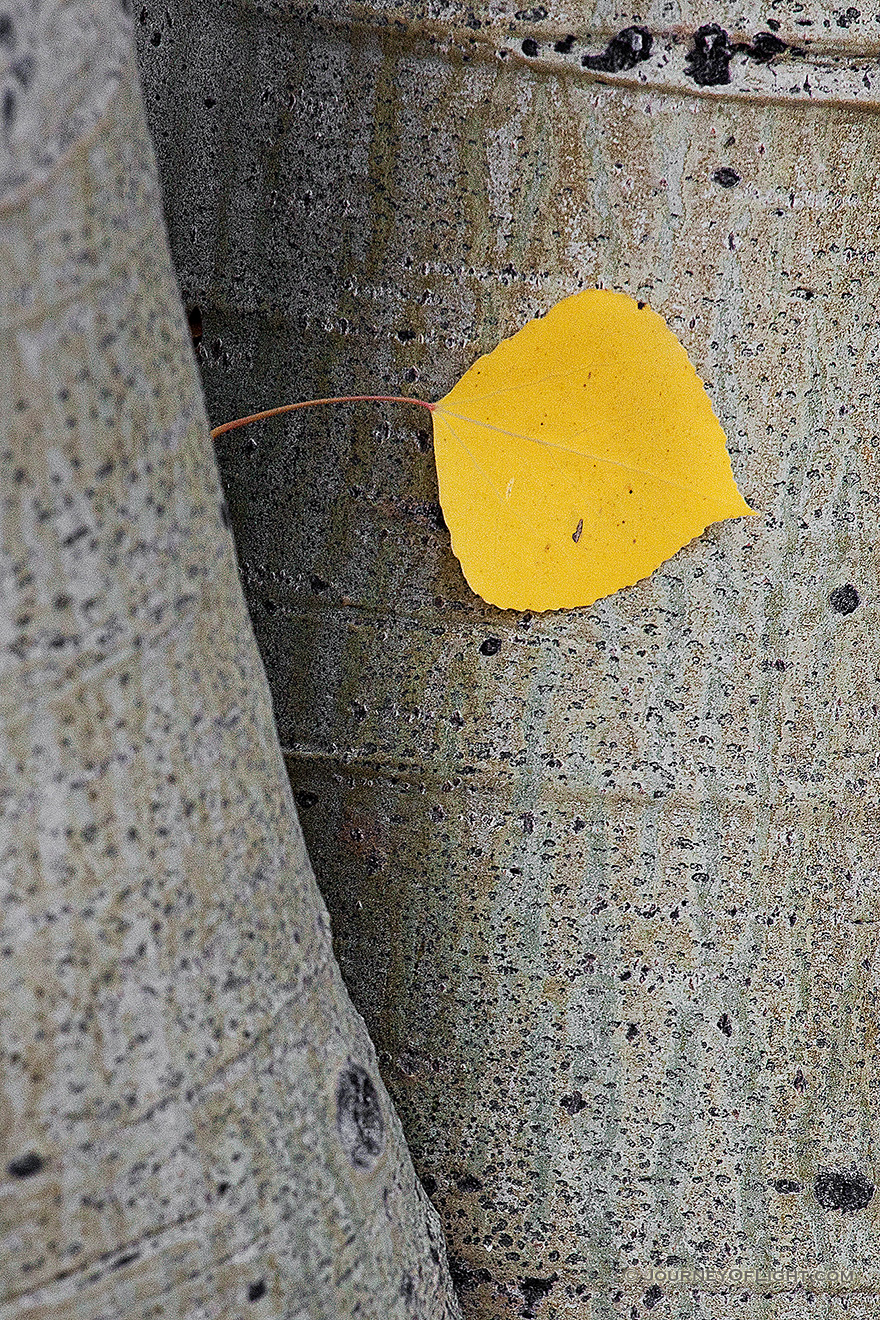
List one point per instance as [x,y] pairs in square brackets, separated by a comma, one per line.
[603,882]
[192,1124]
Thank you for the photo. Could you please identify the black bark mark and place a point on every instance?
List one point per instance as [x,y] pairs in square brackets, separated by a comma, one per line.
[710,58]
[842,1191]
[359,1117]
[624,51]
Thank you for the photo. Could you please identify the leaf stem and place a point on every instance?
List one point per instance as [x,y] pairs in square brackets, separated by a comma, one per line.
[313,403]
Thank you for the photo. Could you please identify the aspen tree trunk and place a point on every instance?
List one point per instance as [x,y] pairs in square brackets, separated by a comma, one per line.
[604,882]
[192,1122]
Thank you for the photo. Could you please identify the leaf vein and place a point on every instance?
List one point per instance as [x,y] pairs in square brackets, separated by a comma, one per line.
[577,453]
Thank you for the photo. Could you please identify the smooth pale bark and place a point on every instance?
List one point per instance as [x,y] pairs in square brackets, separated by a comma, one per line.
[604,882]
[192,1123]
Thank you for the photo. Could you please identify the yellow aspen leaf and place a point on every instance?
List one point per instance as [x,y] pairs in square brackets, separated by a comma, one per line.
[578,456]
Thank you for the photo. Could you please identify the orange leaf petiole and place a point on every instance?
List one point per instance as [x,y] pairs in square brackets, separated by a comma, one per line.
[313,403]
